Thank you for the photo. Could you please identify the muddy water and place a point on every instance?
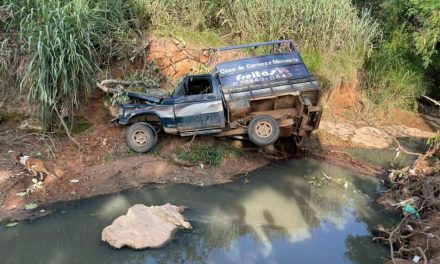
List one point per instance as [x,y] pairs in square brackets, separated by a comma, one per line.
[272,216]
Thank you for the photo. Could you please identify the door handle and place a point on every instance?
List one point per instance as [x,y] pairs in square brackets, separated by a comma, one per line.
[211,97]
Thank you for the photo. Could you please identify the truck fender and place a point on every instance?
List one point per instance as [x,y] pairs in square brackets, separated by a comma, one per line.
[144,117]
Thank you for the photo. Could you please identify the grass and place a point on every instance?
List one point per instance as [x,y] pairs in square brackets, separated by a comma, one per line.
[157,149]
[81,124]
[206,154]
[207,38]
[394,76]
[63,42]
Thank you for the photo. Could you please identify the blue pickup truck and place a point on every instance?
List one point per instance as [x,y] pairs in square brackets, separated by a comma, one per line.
[262,97]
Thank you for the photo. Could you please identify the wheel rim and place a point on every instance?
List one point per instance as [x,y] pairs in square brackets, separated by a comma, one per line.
[263,129]
[139,137]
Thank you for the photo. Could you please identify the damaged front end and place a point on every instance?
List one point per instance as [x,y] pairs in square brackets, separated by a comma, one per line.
[139,104]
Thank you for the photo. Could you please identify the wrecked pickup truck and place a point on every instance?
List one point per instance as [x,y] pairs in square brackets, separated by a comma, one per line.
[262,97]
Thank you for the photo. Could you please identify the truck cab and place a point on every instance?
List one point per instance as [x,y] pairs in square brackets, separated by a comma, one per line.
[198,104]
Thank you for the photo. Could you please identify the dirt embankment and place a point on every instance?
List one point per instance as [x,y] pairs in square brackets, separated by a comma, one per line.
[349,121]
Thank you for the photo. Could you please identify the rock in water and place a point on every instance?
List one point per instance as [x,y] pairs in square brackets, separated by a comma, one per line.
[145,226]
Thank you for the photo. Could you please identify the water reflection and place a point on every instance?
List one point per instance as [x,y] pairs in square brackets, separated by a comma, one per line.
[276,218]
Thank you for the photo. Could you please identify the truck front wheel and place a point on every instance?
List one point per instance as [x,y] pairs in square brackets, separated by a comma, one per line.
[141,137]
[263,130]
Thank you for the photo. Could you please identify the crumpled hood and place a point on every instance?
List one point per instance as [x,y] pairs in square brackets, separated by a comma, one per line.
[146,97]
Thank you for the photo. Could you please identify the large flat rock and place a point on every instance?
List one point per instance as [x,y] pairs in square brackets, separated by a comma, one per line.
[381,137]
[145,226]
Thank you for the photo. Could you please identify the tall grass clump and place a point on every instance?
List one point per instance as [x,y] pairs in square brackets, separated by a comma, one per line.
[63,42]
[193,20]
[192,14]
[330,32]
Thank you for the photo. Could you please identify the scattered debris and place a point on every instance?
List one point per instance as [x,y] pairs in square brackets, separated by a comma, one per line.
[416,191]
[30,206]
[320,181]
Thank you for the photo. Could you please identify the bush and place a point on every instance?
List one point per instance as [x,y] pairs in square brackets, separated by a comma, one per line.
[394,75]
[406,62]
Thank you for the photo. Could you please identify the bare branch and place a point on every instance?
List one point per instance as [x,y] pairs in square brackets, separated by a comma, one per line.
[103,84]
[406,151]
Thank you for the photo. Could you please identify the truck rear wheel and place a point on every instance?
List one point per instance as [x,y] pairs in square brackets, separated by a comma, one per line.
[141,137]
[263,130]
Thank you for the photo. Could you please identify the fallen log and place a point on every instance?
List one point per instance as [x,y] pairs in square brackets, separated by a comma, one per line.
[103,85]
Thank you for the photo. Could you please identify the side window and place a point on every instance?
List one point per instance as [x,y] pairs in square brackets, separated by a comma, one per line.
[197,86]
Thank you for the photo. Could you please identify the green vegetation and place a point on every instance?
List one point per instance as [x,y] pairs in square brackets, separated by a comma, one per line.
[406,61]
[53,49]
[60,44]
[145,80]
[207,154]
[157,149]
[81,124]
[35,184]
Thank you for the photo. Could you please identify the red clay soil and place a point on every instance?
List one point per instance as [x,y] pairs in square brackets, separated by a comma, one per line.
[347,100]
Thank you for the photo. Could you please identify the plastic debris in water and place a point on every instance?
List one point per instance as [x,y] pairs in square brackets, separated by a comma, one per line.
[416,259]
[411,210]
[74,180]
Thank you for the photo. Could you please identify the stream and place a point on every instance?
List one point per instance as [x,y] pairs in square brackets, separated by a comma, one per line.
[275,215]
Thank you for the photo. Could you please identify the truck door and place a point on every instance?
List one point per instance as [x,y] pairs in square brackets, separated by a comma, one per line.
[199,106]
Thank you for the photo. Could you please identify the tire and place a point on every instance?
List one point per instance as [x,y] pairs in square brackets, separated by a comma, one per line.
[141,137]
[263,130]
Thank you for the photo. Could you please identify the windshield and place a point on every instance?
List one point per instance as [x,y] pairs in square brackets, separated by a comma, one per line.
[180,90]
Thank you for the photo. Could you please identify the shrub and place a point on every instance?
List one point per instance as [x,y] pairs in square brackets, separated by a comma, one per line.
[394,75]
